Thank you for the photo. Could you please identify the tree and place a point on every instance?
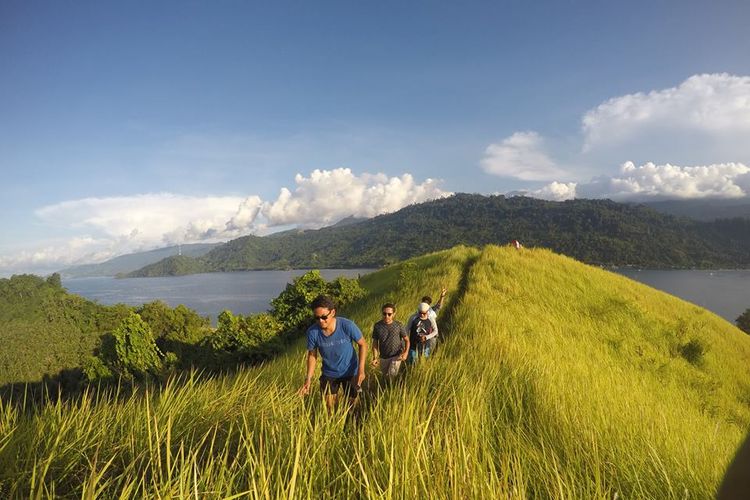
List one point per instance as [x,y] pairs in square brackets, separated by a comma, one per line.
[135,348]
[743,321]
[54,280]
[292,305]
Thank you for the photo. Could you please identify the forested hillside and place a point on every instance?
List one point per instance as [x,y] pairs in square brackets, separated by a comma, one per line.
[134,261]
[598,232]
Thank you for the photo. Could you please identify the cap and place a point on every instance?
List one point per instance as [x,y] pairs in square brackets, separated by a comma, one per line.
[424,307]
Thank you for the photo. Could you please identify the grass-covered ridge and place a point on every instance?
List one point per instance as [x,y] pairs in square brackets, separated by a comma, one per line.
[555,379]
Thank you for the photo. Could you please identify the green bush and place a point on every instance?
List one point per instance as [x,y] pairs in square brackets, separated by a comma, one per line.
[743,321]
[135,348]
[291,307]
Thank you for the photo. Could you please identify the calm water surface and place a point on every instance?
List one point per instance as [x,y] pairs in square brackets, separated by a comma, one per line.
[243,292]
[726,293]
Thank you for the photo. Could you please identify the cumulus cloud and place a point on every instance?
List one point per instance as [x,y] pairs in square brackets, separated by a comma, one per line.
[724,180]
[146,219]
[707,108]
[555,191]
[54,256]
[650,181]
[329,195]
[521,156]
[108,227]
[690,141]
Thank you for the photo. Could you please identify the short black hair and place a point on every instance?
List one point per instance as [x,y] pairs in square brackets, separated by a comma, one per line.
[323,301]
[387,305]
[427,299]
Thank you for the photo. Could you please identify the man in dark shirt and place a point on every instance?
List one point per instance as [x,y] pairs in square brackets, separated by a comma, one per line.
[422,330]
[390,342]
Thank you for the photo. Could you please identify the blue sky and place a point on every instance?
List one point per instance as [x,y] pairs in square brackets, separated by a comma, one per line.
[132,125]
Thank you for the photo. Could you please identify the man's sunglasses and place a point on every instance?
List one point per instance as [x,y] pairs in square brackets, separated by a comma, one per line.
[324,317]
[387,314]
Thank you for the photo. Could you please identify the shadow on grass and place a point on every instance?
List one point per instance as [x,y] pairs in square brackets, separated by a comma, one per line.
[71,383]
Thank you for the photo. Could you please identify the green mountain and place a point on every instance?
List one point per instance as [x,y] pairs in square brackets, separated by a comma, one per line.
[553,379]
[598,232]
[131,262]
[704,209]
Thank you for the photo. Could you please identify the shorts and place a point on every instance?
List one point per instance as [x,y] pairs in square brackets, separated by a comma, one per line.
[389,367]
[331,385]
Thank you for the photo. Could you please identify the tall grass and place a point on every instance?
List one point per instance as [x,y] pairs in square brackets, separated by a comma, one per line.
[554,379]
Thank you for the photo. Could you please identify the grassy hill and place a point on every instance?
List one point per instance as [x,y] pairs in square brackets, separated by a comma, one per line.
[594,231]
[554,379]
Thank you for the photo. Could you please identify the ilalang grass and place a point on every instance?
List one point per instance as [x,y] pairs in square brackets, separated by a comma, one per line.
[553,380]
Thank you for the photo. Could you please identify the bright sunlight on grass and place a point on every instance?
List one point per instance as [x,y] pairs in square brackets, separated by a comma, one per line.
[553,380]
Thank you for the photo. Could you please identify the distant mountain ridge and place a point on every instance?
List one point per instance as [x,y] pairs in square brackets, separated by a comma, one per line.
[131,262]
[705,209]
[599,232]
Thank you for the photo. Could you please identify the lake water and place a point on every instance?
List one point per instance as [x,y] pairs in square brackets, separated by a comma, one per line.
[726,293]
[209,294]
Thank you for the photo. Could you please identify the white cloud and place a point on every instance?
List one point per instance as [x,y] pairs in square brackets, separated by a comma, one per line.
[703,122]
[709,108]
[52,257]
[723,180]
[521,156]
[107,227]
[555,191]
[650,181]
[146,219]
[329,195]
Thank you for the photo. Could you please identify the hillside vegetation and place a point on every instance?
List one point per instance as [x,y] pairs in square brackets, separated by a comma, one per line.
[134,261]
[594,231]
[554,380]
[44,330]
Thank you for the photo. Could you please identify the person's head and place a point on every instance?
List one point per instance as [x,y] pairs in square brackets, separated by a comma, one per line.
[324,309]
[389,312]
[423,309]
[427,299]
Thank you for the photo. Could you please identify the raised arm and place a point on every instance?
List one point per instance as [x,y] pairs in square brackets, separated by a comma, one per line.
[439,303]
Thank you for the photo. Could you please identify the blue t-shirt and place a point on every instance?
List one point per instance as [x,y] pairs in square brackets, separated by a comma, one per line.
[337,351]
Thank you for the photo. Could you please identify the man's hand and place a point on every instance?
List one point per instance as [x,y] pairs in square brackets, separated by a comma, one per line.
[422,339]
[359,378]
[375,362]
[305,389]
[443,291]
[403,356]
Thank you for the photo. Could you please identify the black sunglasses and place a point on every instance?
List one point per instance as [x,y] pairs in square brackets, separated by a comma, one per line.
[324,317]
[387,314]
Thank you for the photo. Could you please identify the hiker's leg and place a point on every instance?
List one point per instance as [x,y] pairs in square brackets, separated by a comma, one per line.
[394,365]
[412,356]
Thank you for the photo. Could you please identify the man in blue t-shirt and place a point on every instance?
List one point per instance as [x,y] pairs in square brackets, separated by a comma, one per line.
[332,337]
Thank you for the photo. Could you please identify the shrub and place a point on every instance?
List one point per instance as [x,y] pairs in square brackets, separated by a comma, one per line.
[743,321]
[291,307]
[135,348]
[693,351]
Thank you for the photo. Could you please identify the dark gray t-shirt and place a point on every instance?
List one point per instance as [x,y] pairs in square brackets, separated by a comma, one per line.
[390,338]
